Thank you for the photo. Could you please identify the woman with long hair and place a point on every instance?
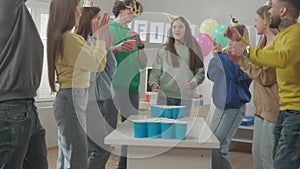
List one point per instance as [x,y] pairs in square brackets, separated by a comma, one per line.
[265,96]
[90,15]
[71,61]
[178,68]
[100,96]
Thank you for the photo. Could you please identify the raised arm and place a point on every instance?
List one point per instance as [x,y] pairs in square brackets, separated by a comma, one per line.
[215,68]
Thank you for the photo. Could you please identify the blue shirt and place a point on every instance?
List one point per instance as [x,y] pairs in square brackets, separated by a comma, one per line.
[231,85]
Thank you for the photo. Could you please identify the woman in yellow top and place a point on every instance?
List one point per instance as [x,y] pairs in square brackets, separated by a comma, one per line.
[72,60]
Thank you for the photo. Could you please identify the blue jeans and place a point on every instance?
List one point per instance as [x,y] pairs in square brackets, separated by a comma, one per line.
[287,140]
[97,155]
[263,142]
[69,111]
[128,104]
[161,100]
[98,152]
[110,114]
[22,138]
[224,125]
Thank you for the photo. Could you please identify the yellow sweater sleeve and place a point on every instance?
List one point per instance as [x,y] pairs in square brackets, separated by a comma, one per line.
[82,56]
[282,52]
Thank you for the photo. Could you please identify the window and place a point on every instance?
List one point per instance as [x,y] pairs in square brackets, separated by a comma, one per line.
[44,91]
[39,12]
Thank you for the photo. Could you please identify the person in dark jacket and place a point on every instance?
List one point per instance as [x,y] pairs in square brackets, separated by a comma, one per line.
[230,93]
[22,137]
[100,95]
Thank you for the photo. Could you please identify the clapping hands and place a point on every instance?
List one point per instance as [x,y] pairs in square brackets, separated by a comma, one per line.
[100,29]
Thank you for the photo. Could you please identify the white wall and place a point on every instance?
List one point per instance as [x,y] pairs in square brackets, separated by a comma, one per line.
[47,120]
[193,10]
[197,10]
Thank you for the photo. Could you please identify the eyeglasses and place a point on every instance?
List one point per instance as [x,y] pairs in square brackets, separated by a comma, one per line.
[137,10]
[134,10]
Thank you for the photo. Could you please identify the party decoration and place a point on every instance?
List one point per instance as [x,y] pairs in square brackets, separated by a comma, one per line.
[268,2]
[233,21]
[169,17]
[167,32]
[156,32]
[88,3]
[218,35]
[205,42]
[208,25]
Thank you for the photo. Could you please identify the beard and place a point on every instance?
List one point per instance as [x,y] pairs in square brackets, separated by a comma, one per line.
[275,22]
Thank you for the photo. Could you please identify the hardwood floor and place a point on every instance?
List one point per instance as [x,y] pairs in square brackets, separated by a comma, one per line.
[240,160]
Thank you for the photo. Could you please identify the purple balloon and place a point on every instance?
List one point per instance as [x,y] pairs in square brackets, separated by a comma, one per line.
[205,42]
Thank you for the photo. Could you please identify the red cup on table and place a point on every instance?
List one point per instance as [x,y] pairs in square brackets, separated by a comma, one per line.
[148,97]
[132,42]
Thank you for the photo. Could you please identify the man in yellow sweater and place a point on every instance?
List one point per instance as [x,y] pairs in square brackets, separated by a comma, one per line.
[284,55]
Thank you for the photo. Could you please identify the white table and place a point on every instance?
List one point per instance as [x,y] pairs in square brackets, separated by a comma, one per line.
[143,153]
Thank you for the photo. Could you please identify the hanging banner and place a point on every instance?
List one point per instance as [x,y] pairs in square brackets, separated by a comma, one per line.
[156,32]
[140,26]
[167,32]
[193,27]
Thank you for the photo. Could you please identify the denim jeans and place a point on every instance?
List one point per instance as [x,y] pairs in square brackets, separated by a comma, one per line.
[22,138]
[98,155]
[287,140]
[128,104]
[224,125]
[110,114]
[98,152]
[161,100]
[69,111]
[263,142]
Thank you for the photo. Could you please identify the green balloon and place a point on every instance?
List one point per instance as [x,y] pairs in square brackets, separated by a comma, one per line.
[218,35]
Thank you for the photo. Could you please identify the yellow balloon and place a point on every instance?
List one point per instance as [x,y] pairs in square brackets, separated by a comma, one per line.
[208,25]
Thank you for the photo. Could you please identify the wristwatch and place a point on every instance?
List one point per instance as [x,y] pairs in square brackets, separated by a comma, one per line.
[246,51]
[141,47]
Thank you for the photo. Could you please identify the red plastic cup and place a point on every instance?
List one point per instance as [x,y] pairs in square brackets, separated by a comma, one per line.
[148,98]
[132,42]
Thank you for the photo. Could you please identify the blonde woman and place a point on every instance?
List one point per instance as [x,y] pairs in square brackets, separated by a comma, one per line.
[265,96]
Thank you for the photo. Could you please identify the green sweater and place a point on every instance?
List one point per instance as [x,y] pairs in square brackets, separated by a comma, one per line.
[172,80]
[128,71]
[284,55]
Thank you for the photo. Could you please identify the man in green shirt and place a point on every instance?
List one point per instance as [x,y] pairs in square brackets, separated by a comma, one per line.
[130,60]
[284,55]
